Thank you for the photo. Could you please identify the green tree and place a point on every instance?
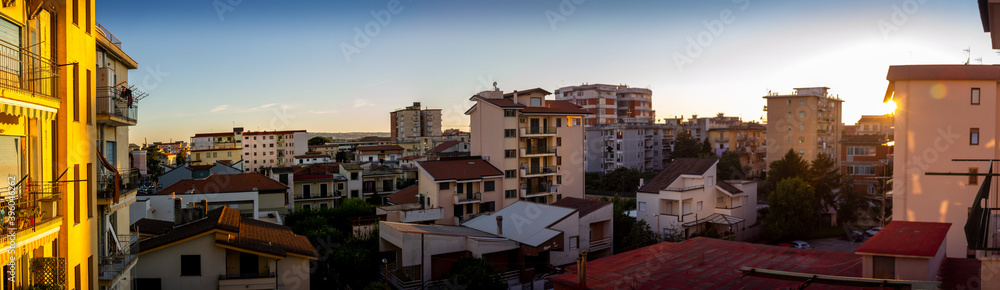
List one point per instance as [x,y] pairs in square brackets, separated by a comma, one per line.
[341,156]
[153,156]
[789,166]
[640,235]
[851,203]
[686,146]
[474,273]
[182,157]
[318,140]
[824,175]
[621,179]
[729,166]
[794,210]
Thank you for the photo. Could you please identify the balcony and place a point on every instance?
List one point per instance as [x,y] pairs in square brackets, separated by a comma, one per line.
[111,266]
[36,208]
[685,188]
[538,131]
[319,196]
[538,151]
[721,140]
[600,244]
[128,186]
[116,109]
[248,281]
[421,215]
[26,71]
[539,171]
[466,198]
[536,191]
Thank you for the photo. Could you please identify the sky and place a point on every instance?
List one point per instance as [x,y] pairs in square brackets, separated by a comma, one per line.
[338,66]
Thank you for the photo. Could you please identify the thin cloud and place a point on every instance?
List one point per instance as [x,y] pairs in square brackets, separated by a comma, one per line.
[362,103]
[219,108]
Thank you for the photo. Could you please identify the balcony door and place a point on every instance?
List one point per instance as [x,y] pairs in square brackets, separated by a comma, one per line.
[249,265]
[535,165]
[468,190]
[534,126]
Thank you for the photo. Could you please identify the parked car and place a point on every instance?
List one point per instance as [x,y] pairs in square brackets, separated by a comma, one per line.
[873,231]
[801,245]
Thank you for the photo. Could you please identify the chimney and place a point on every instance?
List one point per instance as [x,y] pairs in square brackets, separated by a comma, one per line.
[178,214]
[500,225]
[642,181]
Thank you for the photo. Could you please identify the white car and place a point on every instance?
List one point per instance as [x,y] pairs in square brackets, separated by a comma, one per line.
[873,231]
[801,245]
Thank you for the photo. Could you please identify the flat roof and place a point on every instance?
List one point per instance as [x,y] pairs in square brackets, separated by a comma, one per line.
[907,239]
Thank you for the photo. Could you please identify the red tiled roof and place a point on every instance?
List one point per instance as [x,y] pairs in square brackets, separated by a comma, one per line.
[412,157]
[200,167]
[317,168]
[902,238]
[694,166]
[459,169]
[248,234]
[273,132]
[225,162]
[704,263]
[584,206]
[213,134]
[556,107]
[215,149]
[527,92]
[374,138]
[379,148]
[443,146]
[151,226]
[405,195]
[225,183]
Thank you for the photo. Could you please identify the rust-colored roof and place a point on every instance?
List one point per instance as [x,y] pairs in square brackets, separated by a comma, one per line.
[213,134]
[943,72]
[225,183]
[405,195]
[693,166]
[728,187]
[379,148]
[527,92]
[556,107]
[704,263]
[151,226]
[459,169]
[443,146]
[411,157]
[584,206]
[247,233]
[902,238]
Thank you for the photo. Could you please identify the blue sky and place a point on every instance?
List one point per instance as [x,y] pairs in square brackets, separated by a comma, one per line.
[268,65]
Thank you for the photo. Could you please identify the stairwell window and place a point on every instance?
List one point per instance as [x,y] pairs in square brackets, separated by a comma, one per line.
[973,180]
[975,96]
[974,136]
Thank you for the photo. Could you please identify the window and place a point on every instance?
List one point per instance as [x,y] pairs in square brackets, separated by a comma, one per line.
[354,176]
[87,15]
[802,127]
[90,264]
[558,179]
[76,272]
[802,152]
[306,190]
[148,283]
[789,102]
[576,121]
[91,201]
[802,139]
[510,173]
[973,180]
[536,101]
[574,242]
[699,206]
[802,114]
[487,206]
[789,115]
[558,160]
[510,113]
[974,136]
[443,186]
[558,141]
[642,206]
[489,186]
[860,151]
[558,122]
[76,90]
[861,170]
[975,96]
[76,194]
[190,265]
[509,133]
[89,102]
[802,102]
[510,153]
[76,21]
[510,193]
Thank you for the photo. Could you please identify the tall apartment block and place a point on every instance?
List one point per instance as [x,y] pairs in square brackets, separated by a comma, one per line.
[630,145]
[537,143]
[260,149]
[610,104]
[807,122]
[414,128]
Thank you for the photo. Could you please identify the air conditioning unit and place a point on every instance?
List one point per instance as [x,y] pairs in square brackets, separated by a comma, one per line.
[105,77]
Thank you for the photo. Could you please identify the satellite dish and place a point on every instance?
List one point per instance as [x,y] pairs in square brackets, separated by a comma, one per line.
[495,86]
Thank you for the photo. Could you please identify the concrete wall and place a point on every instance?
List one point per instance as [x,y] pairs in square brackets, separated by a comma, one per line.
[166,264]
[933,119]
[570,227]
[161,207]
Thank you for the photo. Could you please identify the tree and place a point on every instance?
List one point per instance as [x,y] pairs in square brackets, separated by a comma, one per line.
[686,146]
[621,179]
[153,156]
[341,156]
[794,210]
[474,273]
[729,167]
[825,177]
[789,166]
[181,157]
[640,235]
[318,140]
[851,203]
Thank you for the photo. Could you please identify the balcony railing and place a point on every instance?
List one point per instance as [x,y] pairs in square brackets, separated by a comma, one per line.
[539,170]
[538,130]
[48,271]
[532,150]
[537,190]
[463,198]
[106,181]
[248,281]
[685,188]
[600,244]
[34,205]
[247,276]
[111,37]
[111,265]
[27,71]
[111,103]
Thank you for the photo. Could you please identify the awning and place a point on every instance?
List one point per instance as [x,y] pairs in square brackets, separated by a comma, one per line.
[716,218]
[19,108]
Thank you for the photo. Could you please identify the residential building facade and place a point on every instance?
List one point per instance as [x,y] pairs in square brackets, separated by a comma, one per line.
[629,145]
[414,128]
[807,122]
[746,140]
[527,138]
[610,104]
[214,155]
[464,188]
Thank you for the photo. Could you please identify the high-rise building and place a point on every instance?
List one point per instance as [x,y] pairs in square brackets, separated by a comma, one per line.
[537,143]
[808,122]
[630,145]
[610,104]
[413,128]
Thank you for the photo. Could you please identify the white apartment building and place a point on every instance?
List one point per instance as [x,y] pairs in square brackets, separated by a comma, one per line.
[609,104]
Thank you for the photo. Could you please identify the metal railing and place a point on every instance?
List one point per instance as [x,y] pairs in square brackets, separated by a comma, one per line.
[539,150]
[468,197]
[600,244]
[106,181]
[111,102]
[111,37]
[111,265]
[247,276]
[540,170]
[544,188]
[537,130]
[685,188]
[35,204]
[27,71]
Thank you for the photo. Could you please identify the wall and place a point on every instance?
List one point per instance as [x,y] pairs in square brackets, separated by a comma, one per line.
[570,227]
[161,207]
[165,264]
[293,272]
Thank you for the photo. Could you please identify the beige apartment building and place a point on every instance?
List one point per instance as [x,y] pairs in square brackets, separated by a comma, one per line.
[807,122]
[537,143]
[943,112]
[610,104]
[409,125]
[746,140]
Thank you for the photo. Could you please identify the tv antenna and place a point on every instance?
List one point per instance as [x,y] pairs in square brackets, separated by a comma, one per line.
[968,54]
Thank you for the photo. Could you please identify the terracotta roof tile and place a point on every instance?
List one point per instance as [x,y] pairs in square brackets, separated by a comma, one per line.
[459,169]
[405,195]
[556,107]
[379,148]
[443,146]
[695,166]
[225,183]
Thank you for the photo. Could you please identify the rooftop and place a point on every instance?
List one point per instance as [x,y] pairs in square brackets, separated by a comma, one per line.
[529,229]
[438,230]
[379,148]
[405,195]
[224,183]
[459,169]
[680,166]
[906,239]
[412,157]
[443,146]
[584,206]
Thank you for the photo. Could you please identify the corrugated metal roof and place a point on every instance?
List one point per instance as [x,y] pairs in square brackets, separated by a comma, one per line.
[524,222]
